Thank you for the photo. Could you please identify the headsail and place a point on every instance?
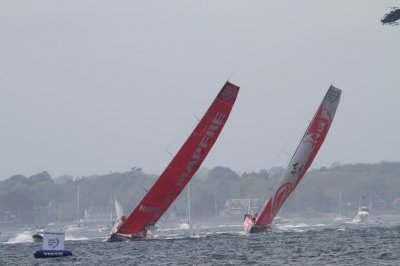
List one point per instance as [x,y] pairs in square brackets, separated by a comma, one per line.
[118,209]
[303,157]
[184,165]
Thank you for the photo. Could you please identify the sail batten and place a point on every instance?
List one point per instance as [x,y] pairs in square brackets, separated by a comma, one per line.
[301,160]
[184,164]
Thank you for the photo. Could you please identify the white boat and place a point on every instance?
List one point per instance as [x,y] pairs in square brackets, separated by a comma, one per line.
[185,225]
[340,217]
[362,215]
[76,226]
[79,224]
[38,236]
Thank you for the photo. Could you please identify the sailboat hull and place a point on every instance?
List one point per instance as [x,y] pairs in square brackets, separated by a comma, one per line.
[250,227]
[247,224]
[259,229]
[116,237]
[301,160]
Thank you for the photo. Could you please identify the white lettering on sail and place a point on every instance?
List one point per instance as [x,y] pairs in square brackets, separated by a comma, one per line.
[321,127]
[216,122]
[144,208]
[314,137]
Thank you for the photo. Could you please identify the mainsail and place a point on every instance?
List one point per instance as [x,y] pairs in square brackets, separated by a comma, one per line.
[183,166]
[301,160]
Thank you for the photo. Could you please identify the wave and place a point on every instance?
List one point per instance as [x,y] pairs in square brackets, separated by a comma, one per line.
[25,237]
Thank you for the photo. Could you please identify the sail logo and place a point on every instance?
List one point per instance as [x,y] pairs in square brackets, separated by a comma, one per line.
[296,170]
[205,141]
[313,138]
[280,197]
[144,208]
[229,92]
[333,94]
[320,129]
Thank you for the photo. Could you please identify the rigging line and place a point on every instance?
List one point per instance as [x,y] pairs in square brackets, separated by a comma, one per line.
[172,141]
[181,131]
[195,116]
[288,154]
[264,198]
[288,139]
[262,205]
[169,153]
[230,76]
[156,162]
[144,188]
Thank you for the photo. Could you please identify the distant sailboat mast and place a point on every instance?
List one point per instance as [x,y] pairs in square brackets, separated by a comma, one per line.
[77,215]
[370,203]
[215,206]
[189,209]
[36,220]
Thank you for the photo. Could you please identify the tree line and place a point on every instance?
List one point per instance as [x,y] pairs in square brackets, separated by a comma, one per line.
[377,184]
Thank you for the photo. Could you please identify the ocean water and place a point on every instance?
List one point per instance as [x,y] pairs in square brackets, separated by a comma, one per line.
[303,243]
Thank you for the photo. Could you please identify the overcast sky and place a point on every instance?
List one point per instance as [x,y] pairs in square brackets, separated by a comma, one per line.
[89,87]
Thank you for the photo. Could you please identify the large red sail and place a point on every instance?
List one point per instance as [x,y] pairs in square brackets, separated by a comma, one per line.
[302,158]
[184,165]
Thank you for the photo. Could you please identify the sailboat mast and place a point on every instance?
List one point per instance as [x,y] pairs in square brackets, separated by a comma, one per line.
[370,203]
[340,204]
[35,211]
[215,206]
[59,214]
[188,190]
[78,204]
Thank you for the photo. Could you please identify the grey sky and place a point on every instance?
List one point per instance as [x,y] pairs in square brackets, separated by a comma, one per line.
[92,86]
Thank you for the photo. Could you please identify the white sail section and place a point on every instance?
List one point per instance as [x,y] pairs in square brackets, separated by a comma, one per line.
[118,208]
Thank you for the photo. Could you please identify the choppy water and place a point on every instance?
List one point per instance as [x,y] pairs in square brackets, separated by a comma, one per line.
[291,244]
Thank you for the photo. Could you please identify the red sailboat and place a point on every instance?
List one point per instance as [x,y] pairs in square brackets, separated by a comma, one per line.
[299,164]
[180,170]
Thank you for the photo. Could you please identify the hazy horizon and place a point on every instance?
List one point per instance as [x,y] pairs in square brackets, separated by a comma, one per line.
[98,86]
